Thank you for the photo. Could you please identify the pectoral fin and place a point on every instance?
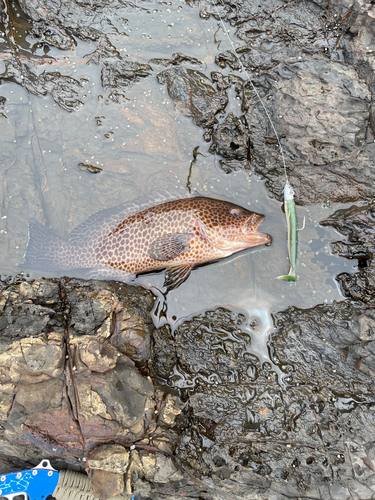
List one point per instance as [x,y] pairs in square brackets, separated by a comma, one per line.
[176,275]
[169,246]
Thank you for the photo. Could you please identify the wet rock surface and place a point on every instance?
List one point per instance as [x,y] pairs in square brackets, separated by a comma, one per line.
[66,91]
[251,436]
[358,225]
[230,140]
[66,388]
[311,63]
[117,76]
[313,66]
[73,17]
[193,94]
[235,428]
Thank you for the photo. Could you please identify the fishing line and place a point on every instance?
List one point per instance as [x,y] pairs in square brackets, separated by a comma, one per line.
[289,203]
[243,69]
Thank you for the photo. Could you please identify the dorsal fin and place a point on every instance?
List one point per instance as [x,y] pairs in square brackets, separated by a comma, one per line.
[106,221]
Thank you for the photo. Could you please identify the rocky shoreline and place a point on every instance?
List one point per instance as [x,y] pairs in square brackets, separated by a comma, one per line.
[89,382]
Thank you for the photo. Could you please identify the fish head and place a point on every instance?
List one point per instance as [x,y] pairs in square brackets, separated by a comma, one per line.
[232,228]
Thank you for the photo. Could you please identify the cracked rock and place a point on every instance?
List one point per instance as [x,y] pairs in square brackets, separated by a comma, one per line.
[67,391]
[111,458]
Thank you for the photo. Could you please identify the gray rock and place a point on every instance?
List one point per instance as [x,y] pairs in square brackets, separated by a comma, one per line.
[240,426]
[316,80]
[193,94]
[358,225]
[230,139]
[118,75]
[66,91]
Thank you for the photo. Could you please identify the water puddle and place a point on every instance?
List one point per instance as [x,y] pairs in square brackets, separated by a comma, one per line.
[141,141]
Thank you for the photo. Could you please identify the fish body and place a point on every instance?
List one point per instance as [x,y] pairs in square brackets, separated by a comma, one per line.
[122,242]
[292,224]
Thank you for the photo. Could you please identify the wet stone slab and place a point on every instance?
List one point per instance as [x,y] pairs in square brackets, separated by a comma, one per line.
[298,424]
[301,424]
[65,389]
[357,223]
[193,94]
[312,65]
[304,62]
[66,91]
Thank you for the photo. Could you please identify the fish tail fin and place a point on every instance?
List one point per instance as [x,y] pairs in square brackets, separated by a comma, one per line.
[43,248]
[291,277]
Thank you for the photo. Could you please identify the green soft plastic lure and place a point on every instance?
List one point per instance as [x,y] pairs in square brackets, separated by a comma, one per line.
[292,223]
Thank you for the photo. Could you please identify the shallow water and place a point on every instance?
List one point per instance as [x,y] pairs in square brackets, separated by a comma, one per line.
[142,144]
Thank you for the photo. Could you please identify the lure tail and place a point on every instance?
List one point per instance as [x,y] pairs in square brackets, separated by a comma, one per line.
[44,248]
[291,277]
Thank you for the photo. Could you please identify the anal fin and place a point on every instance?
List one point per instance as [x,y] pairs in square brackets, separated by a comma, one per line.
[110,274]
[175,276]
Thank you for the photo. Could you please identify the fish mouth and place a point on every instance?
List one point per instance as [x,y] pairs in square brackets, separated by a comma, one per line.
[263,238]
[253,238]
[257,238]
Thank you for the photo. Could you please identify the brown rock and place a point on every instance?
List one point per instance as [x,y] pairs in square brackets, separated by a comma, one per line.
[40,414]
[169,410]
[113,403]
[132,335]
[64,387]
[106,484]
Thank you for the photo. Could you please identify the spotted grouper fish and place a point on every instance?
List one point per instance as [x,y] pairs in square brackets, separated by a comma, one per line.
[147,235]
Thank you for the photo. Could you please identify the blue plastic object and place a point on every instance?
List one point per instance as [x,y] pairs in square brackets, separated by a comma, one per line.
[36,483]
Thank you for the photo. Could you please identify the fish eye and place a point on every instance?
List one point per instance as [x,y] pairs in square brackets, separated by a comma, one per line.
[235,211]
